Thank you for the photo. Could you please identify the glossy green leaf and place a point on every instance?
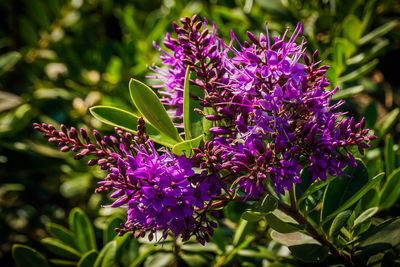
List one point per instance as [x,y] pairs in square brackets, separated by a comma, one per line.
[360,72]
[354,198]
[27,256]
[62,234]
[281,226]
[348,92]
[309,252]
[150,106]
[315,186]
[109,233]
[378,32]
[128,121]
[387,122]
[339,190]
[64,263]
[60,249]
[339,221]
[88,259]
[389,155]
[185,147]
[369,54]
[240,232]
[138,261]
[107,255]
[365,216]
[391,190]
[8,60]
[83,229]
[370,114]
[160,259]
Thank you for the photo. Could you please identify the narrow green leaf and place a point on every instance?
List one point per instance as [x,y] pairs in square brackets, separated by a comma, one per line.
[352,200]
[387,122]
[84,233]
[88,259]
[161,259]
[339,221]
[365,216]
[391,190]
[106,256]
[62,233]
[309,252]
[387,232]
[60,249]
[60,262]
[378,32]
[282,227]
[360,72]
[8,60]
[186,105]
[128,121]
[148,104]
[369,54]
[27,256]
[315,186]
[207,124]
[109,233]
[348,92]
[339,55]
[240,232]
[185,147]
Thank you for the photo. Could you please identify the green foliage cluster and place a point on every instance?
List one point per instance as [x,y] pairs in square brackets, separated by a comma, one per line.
[59,58]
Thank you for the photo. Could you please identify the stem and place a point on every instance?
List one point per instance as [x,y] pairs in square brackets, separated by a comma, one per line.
[292,198]
[295,214]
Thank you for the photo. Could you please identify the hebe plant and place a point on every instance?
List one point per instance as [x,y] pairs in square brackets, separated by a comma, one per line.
[247,122]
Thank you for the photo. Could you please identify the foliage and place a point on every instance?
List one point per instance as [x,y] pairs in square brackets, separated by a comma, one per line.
[59,58]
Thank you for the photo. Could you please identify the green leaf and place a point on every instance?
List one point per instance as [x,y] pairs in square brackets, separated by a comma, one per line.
[60,262]
[354,198]
[148,104]
[281,226]
[128,121]
[352,30]
[60,249]
[315,186]
[369,54]
[143,256]
[240,232]
[27,256]
[309,252]
[185,147]
[109,233]
[62,233]
[160,259]
[339,221]
[88,259]
[391,190]
[267,204]
[386,233]
[207,124]
[292,239]
[360,72]
[84,233]
[339,190]
[348,92]
[365,216]
[339,55]
[370,114]
[8,60]
[378,32]
[192,121]
[387,122]
[106,256]
[389,155]
[252,216]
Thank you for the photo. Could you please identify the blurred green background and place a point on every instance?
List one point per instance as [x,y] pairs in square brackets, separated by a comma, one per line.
[60,57]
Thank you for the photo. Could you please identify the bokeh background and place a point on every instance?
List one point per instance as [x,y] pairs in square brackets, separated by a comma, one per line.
[60,57]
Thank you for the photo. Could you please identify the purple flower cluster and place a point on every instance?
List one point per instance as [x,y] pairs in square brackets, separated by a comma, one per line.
[271,116]
[272,110]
